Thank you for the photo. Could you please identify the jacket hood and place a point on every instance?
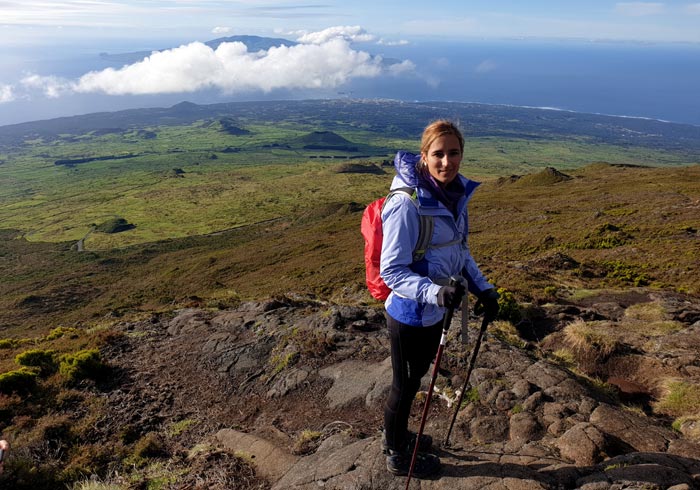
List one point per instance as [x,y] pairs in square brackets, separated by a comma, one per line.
[405,164]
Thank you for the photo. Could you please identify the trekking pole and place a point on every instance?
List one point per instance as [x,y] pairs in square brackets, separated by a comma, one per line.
[457,284]
[485,322]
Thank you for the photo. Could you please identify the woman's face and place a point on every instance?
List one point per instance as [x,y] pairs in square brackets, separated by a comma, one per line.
[443,158]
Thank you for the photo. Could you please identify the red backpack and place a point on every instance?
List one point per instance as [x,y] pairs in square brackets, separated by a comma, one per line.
[371,228]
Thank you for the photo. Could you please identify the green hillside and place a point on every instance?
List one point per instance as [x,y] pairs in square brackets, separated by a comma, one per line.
[221,172]
[621,225]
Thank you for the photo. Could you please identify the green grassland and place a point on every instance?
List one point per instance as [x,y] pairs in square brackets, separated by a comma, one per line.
[197,179]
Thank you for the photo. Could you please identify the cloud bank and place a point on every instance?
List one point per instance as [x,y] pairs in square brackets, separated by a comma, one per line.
[348,33]
[323,60]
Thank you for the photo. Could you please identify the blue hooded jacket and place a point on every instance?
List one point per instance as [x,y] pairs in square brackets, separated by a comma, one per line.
[415,286]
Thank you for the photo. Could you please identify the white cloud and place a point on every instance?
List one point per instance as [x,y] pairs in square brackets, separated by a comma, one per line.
[347,33]
[406,66]
[6,93]
[486,66]
[52,87]
[639,9]
[326,63]
[221,30]
[693,8]
[231,68]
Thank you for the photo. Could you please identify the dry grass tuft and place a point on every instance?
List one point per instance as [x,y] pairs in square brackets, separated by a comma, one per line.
[647,312]
[689,426]
[679,399]
[591,344]
[591,337]
[506,332]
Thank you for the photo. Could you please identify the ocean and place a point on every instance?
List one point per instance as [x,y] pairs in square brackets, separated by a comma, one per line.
[657,81]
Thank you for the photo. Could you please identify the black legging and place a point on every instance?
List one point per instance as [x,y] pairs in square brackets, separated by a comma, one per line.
[412,351]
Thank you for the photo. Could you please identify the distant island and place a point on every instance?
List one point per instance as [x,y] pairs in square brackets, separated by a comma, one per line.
[388,117]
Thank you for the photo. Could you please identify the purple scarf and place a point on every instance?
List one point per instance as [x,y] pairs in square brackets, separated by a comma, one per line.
[448,195]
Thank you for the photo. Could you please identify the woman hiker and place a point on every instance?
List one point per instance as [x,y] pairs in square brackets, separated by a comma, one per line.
[420,290]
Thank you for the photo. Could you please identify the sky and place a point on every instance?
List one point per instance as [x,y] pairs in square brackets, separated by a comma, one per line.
[42,42]
[45,21]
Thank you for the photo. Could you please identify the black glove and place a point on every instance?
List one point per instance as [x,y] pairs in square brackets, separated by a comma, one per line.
[449,297]
[488,300]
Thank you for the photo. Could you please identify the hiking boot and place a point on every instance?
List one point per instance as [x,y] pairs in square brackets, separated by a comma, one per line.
[399,463]
[425,444]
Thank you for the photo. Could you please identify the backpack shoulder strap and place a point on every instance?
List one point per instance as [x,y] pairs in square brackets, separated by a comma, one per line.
[424,236]
[409,191]
[426,223]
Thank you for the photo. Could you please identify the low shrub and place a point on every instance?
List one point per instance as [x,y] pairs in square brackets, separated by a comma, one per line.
[12,343]
[22,380]
[8,343]
[45,360]
[85,364]
[59,332]
[508,308]
[626,273]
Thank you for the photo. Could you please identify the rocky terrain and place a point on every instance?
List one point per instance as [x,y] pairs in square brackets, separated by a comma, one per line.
[287,394]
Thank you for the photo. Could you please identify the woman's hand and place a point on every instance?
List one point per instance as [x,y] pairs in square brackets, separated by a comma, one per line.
[449,297]
[489,302]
